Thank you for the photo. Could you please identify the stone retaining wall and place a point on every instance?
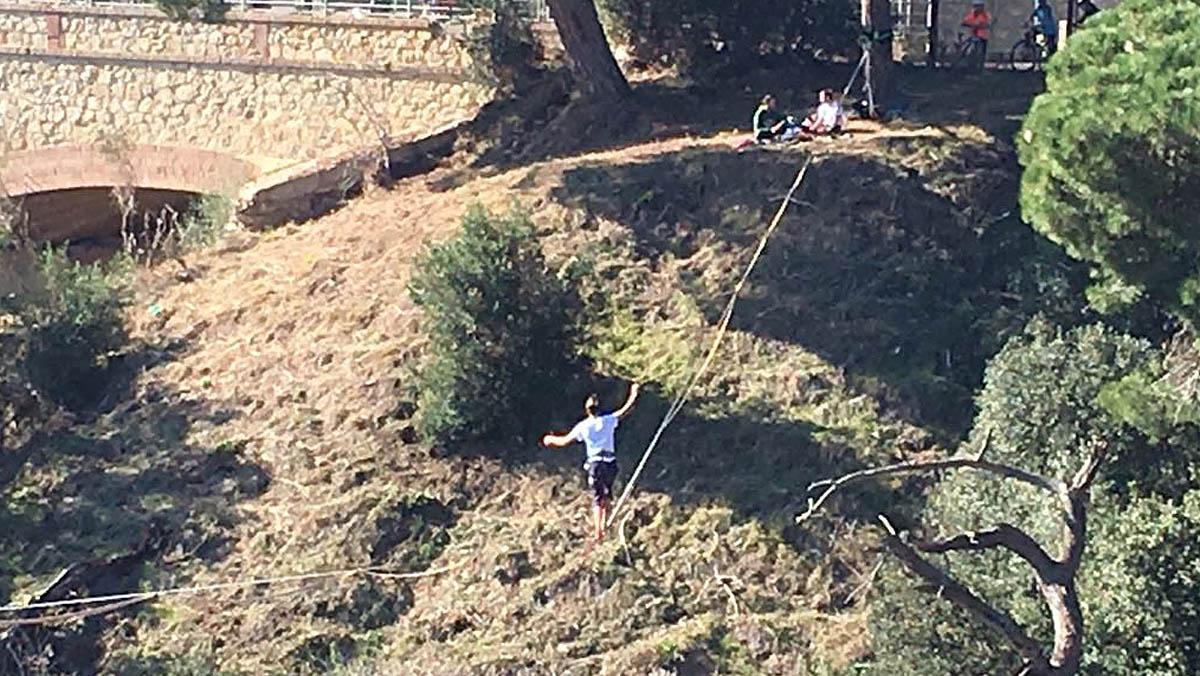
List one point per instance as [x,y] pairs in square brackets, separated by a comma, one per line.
[254,34]
[258,85]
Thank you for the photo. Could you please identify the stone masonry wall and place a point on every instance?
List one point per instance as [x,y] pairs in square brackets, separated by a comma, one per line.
[144,34]
[22,30]
[258,85]
[335,39]
[245,112]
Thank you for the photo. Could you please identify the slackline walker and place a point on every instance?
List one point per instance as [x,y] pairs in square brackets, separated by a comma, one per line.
[112,602]
[722,327]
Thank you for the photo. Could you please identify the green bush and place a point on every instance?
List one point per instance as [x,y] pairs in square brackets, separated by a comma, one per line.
[204,221]
[501,326]
[70,320]
[697,34]
[1112,167]
[1043,399]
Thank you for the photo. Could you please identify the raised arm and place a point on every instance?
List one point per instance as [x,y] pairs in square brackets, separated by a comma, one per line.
[624,410]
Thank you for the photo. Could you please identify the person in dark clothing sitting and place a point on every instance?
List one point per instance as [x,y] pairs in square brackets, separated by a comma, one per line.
[770,124]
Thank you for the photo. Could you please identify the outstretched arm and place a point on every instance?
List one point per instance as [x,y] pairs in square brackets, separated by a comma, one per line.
[624,410]
[558,440]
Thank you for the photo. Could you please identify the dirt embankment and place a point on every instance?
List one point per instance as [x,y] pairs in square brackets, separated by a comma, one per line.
[269,434]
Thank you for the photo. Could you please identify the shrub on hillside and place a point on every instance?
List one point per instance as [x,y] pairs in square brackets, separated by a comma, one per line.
[1112,167]
[69,320]
[701,33]
[501,327]
[1042,401]
[170,234]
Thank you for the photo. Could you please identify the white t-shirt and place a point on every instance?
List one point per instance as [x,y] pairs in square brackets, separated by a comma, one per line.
[597,435]
[830,115]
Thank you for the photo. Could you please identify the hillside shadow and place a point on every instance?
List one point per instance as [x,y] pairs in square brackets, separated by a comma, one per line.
[541,120]
[879,269]
[996,101]
[121,501]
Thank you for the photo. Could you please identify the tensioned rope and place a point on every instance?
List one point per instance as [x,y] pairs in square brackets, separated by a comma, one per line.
[117,601]
[375,571]
[722,328]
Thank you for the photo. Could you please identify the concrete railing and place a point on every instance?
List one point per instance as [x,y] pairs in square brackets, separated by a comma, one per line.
[536,10]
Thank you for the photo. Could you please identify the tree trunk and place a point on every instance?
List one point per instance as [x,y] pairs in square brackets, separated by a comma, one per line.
[877,27]
[592,61]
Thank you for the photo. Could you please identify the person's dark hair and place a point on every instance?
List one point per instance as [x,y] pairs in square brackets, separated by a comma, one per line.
[592,405]
[767,99]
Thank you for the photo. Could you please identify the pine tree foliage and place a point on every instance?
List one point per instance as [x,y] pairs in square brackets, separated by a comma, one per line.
[1111,154]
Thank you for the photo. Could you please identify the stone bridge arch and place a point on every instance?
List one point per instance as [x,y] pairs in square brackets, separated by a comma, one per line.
[71,167]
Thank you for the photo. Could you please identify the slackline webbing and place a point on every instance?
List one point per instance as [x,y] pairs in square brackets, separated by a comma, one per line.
[722,328]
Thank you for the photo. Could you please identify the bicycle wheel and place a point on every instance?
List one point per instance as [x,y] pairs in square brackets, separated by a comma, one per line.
[1025,55]
[964,58]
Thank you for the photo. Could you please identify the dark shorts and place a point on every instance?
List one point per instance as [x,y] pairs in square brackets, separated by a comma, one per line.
[601,476]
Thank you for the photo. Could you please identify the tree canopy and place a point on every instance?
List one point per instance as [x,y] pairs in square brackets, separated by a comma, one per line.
[1042,400]
[1112,157]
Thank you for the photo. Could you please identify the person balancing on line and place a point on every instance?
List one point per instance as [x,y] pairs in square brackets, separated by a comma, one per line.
[596,433]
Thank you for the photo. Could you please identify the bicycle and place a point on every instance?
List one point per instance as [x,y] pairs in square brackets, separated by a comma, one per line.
[1031,51]
[966,52]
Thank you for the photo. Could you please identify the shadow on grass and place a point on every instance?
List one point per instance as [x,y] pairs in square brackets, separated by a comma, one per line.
[540,121]
[758,467]
[123,499]
[891,271]
[994,100]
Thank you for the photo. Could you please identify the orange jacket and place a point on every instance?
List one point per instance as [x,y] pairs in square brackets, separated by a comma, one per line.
[980,23]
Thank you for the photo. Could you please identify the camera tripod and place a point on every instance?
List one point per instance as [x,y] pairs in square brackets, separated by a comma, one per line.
[864,69]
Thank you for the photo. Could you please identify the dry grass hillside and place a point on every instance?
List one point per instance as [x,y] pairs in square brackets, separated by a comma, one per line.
[264,431]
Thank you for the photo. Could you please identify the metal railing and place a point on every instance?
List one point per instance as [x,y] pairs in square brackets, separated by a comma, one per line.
[536,10]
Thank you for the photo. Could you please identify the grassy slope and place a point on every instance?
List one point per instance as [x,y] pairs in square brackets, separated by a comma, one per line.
[267,433]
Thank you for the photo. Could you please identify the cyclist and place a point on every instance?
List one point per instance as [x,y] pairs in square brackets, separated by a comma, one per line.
[979,21]
[1045,22]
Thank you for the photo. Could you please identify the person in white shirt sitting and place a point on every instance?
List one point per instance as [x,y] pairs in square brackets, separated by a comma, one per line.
[830,117]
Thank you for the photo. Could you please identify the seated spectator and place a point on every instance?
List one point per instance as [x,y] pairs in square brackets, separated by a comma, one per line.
[770,124]
[830,117]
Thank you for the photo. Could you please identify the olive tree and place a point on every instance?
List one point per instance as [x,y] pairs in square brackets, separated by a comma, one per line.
[1128,606]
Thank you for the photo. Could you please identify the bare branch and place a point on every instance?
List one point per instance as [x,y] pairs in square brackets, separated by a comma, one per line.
[987,443]
[1087,474]
[1008,472]
[1075,505]
[1005,536]
[1055,577]
[954,592]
